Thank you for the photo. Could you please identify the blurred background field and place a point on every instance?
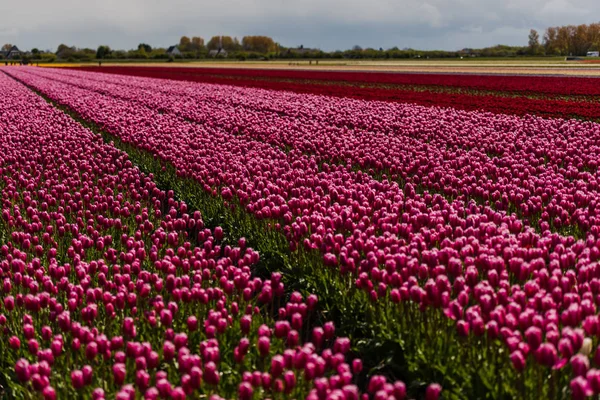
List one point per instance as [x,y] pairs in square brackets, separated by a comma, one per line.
[531,66]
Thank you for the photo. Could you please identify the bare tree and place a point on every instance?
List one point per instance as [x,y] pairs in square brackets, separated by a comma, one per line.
[534,42]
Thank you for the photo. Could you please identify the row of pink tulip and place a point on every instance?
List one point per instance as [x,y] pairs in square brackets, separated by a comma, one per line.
[538,293]
[112,288]
[546,170]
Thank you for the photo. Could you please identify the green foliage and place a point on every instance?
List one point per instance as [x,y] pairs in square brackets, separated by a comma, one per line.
[103,52]
[48,57]
[146,47]
[138,54]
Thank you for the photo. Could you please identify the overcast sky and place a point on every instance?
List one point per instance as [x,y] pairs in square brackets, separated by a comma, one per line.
[327,24]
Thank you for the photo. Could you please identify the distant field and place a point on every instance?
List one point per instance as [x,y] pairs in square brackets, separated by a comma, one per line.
[548,95]
[508,66]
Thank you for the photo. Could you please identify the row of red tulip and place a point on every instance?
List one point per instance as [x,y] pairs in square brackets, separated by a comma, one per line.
[554,85]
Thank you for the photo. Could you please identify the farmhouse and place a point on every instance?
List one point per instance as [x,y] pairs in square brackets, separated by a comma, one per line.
[218,53]
[174,51]
[13,53]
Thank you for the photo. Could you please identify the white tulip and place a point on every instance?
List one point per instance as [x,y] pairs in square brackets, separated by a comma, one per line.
[586,347]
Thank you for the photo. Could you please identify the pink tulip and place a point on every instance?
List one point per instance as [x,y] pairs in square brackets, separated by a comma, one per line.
[77,379]
[22,370]
[119,372]
[433,391]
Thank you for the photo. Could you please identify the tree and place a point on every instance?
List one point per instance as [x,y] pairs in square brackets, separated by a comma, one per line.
[581,40]
[550,41]
[102,52]
[63,51]
[214,43]
[184,43]
[571,39]
[259,44]
[224,42]
[147,48]
[61,47]
[7,47]
[534,42]
[594,36]
[197,43]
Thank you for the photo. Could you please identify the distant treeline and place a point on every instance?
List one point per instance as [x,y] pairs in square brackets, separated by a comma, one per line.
[571,40]
[564,40]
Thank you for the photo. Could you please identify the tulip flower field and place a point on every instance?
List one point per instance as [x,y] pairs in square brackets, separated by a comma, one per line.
[166,238]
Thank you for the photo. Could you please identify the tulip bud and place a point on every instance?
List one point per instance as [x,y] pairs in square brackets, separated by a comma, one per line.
[462,328]
[192,323]
[580,364]
[77,379]
[91,350]
[433,391]
[264,345]
[142,380]
[119,372]
[518,360]
[87,372]
[245,323]
[277,365]
[357,366]
[33,346]
[164,388]
[533,335]
[593,378]
[281,329]
[168,351]
[290,381]
[22,370]
[546,354]
[211,375]
[399,390]
[329,329]
[245,391]
[98,394]
[49,393]
[580,389]
[14,342]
